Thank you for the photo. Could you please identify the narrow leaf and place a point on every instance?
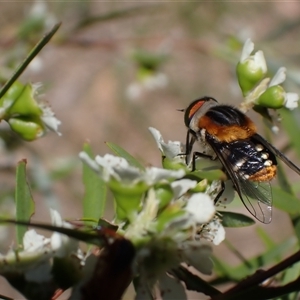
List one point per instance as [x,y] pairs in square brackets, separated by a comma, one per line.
[117,150]
[285,201]
[231,219]
[96,237]
[265,237]
[33,53]
[23,200]
[94,199]
[290,122]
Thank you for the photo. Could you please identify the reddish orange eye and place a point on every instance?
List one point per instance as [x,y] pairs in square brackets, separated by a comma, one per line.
[195,107]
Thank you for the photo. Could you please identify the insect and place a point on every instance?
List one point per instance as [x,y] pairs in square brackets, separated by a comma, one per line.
[248,160]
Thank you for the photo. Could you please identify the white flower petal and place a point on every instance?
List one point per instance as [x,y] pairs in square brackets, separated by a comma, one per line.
[49,119]
[291,100]
[170,149]
[118,168]
[198,255]
[171,288]
[215,231]
[201,207]
[228,194]
[260,61]
[33,241]
[61,243]
[247,50]
[155,81]
[155,175]
[181,186]
[89,161]
[157,136]
[279,77]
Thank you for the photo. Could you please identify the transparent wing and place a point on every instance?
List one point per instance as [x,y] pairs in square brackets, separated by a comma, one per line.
[256,196]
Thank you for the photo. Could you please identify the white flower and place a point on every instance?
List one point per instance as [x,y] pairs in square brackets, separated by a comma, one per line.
[201,208]
[151,82]
[256,61]
[156,81]
[118,168]
[181,186]
[169,237]
[213,231]
[290,99]
[39,10]
[49,119]
[35,260]
[279,77]
[171,149]
[32,241]
[61,243]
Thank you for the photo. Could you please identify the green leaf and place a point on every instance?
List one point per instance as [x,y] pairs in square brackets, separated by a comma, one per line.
[231,219]
[285,201]
[283,180]
[94,199]
[265,237]
[23,200]
[117,150]
[290,122]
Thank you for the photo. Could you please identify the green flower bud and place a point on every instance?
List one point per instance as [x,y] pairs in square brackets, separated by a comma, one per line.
[164,194]
[251,69]
[200,187]
[173,163]
[28,128]
[273,97]
[169,214]
[19,100]
[249,74]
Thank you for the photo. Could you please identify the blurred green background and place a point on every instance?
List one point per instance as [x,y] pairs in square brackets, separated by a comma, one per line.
[116,68]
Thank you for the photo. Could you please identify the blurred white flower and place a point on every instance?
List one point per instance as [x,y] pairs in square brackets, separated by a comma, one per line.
[118,168]
[151,82]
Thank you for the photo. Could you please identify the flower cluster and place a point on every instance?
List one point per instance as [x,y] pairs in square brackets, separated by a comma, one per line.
[36,262]
[169,218]
[259,89]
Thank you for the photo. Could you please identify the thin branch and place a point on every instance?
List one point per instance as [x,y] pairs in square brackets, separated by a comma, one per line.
[33,53]
[259,277]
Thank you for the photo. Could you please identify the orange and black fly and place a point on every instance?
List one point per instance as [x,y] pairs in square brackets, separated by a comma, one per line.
[248,160]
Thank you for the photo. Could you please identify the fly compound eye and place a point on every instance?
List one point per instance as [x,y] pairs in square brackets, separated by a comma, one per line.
[197,109]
